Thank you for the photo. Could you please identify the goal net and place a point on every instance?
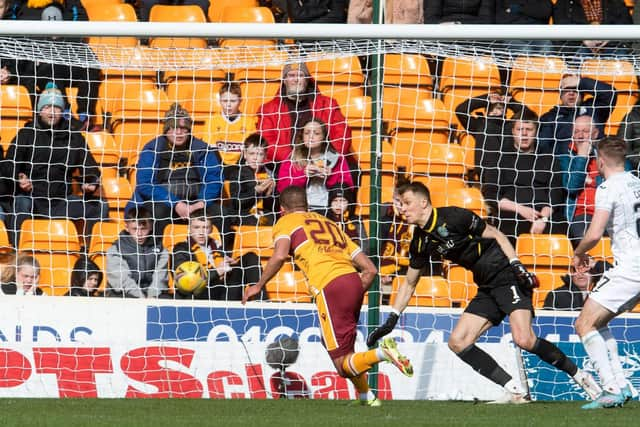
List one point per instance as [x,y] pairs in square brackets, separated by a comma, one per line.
[442,113]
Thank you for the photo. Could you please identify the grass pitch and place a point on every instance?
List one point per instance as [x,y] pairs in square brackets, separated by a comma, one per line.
[303,413]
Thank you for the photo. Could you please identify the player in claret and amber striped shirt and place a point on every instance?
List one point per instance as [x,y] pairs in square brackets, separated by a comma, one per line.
[331,262]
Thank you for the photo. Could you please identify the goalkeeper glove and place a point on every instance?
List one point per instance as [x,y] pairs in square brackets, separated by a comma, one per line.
[383,329]
[526,279]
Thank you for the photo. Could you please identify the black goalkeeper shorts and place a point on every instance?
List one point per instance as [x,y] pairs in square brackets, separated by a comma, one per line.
[494,304]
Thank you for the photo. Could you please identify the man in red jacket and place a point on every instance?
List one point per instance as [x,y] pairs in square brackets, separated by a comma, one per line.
[299,101]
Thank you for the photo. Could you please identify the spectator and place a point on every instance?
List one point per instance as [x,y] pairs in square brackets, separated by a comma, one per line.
[281,119]
[489,126]
[43,160]
[629,130]
[315,165]
[251,185]
[21,276]
[524,192]
[178,173]
[137,264]
[575,290]
[228,130]
[396,12]
[35,75]
[144,6]
[459,12]
[85,278]
[317,12]
[556,124]
[593,12]
[227,276]
[342,211]
[525,12]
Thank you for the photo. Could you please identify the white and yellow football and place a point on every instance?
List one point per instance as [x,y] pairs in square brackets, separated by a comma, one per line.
[190,278]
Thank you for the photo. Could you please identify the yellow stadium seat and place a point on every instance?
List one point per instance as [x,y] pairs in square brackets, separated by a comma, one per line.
[345,70]
[479,72]
[55,271]
[342,94]
[602,251]
[545,251]
[103,234]
[103,148]
[357,111]
[622,76]
[461,284]
[257,15]
[49,235]
[15,111]
[404,69]
[141,103]
[288,286]
[256,93]
[535,81]
[132,135]
[114,91]
[252,238]
[420,156]
[431,291]
[466,197]
[407,96]
[427,119]
[112,11]
[262,64]
[216,7]
[364,191]
[116,191]
[439,184]
[199,97]
[184,14]
[5,245]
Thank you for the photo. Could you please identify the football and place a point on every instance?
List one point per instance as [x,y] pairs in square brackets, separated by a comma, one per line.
[191,278]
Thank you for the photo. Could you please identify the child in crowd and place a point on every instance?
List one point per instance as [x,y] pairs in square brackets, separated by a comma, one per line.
[342,211]
[137,264]
[21,276]
[228,130]
[85,278]
[227,276]
[251,184]
[315,165]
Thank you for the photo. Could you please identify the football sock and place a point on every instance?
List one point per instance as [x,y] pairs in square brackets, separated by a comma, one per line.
[361,384]
[596,348]
[554,356]
[484,364]
[614,356]
[361,362]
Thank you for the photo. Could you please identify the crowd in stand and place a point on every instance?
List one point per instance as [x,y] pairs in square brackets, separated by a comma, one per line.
[537,174]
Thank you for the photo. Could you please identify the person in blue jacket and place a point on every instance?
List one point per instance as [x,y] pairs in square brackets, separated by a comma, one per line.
[556,125]
[177,173]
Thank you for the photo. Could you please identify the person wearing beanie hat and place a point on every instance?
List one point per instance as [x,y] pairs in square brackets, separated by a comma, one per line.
[342,212]
[178,173]
[50,96]
[298,101]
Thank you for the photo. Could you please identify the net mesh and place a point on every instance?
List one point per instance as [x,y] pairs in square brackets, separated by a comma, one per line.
[425,134]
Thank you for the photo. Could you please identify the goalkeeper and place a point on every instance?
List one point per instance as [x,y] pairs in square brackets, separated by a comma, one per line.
[504,289]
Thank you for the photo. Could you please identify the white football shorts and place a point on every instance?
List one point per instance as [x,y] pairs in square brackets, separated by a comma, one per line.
[619,288]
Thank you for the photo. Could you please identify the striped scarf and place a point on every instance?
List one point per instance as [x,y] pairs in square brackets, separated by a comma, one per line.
[593,10]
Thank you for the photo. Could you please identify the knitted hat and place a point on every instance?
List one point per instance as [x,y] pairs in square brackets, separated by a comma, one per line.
[302,67]
[341,192]
[174,115]
[51,95]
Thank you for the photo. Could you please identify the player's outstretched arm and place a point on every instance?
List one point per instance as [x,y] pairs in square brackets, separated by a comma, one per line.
[280,255]
[591,237]
[402,300]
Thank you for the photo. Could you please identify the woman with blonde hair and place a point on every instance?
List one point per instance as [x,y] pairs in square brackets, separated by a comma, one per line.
[21,276]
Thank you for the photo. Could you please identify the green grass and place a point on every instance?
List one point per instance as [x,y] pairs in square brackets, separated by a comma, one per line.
[304,413]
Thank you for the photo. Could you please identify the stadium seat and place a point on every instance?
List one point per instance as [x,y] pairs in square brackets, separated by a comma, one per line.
[216,8]
[404,69]
[602,250]
[176,233]
[622,76]
[116,191]
[535,81]
[467,197]
[357,111]
[420,156]
[183,14]
[427,119]
[288,286]
[344,70]
[5,245]
[55,271]
[103,234]
[112,92]
[112,11]
[103,148]
[256,93]
[407,96]
[261,64]
[199,97]
[545,252]
[431,291]
[364,195]
[461,284]
[252,238]
[439,184]
[15,111]
[257,15]
[49,235]
[342,94]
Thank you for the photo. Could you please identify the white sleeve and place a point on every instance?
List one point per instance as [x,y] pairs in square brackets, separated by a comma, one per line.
[605,196]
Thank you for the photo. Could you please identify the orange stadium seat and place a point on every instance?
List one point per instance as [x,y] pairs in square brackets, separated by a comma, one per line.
[55,271]
[364,191]
[15,111]
[256,93]
[116,191]
[252,238]
[428,120]
[342,94]
[422,157]
[535,81]
[184,14]
[112,90]
[462,286]
[602,251]
[5,245]
[103,234]
[404,69]
[114,12]
[288,286]
[545,252]
[407,96]
[431,291]
[345,70]
[262,64]
[216,8]
[199,97]
[257,15]
[622,76]
[103,148]
[357,111]
[466,197]
[48,235]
